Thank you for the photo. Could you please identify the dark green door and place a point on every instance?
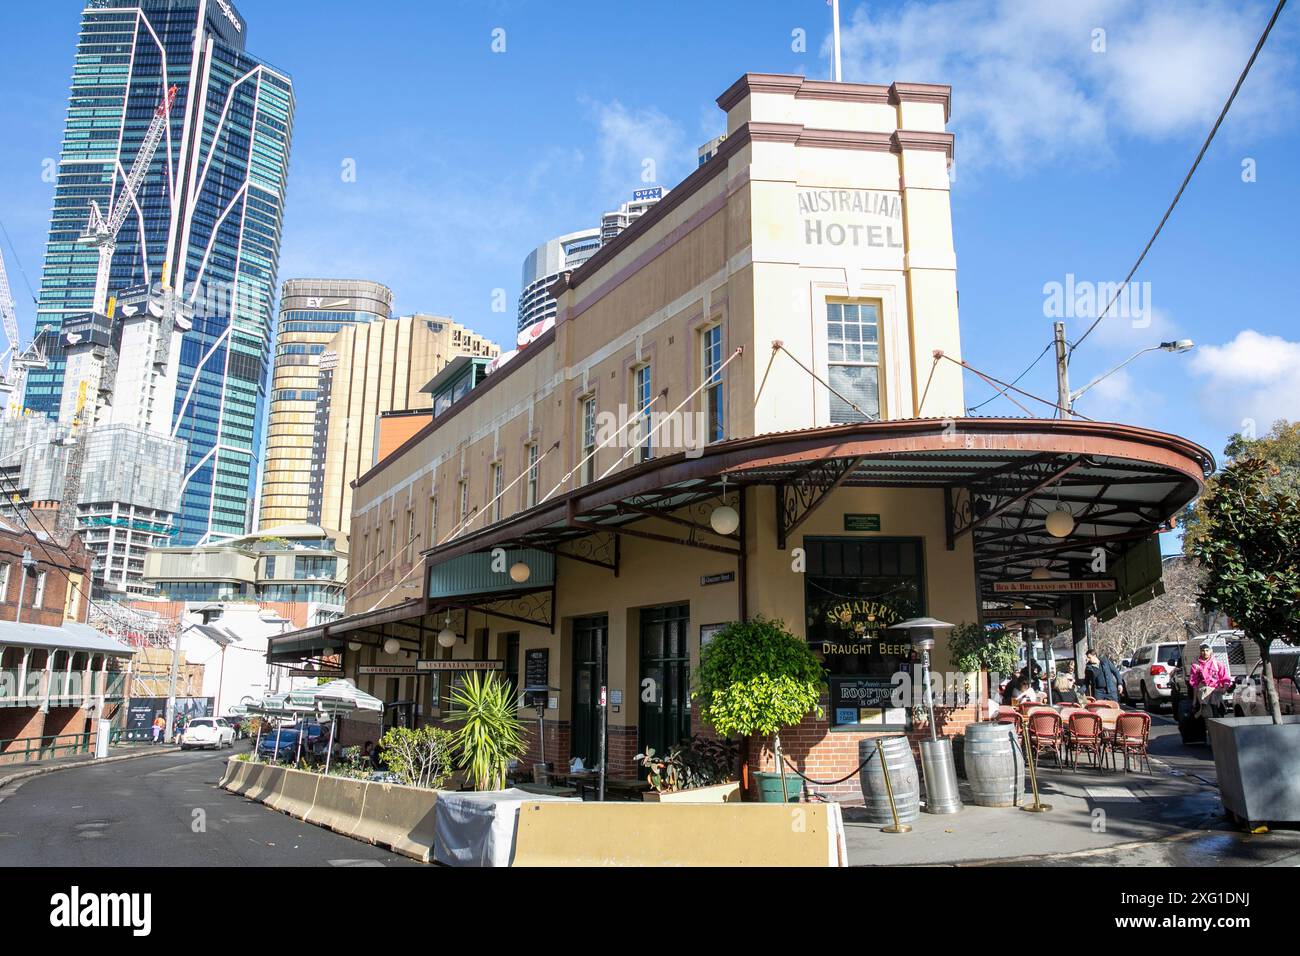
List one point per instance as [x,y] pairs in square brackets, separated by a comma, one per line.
[665,716]
[586,686]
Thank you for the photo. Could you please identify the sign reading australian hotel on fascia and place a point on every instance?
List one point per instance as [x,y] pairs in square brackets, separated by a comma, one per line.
[851,218]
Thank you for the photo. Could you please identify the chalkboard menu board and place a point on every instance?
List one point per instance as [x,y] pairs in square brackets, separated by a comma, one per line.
[537,673]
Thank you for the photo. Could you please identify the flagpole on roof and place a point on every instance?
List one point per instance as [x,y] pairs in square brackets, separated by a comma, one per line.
[835,39]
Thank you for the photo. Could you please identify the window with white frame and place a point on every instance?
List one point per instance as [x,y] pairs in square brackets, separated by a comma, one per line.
[641,387]
[410,535]
[4,581]
[433,521]
[464,500]
[39,599]
[588,439]
[853,360]
[532,474]
[715,425]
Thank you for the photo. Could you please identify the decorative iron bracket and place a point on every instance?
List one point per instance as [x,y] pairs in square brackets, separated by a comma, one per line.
[797,499]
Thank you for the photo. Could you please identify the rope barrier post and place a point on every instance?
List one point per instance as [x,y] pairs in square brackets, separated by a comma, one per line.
[1037,806]
[889,792]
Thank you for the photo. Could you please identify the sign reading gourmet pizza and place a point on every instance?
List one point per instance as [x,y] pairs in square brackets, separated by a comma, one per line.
[861,218]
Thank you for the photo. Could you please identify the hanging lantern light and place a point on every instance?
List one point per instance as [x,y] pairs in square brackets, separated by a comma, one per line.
[724,519]
[1040,574]
[520,572]
[1059,523]
[354,646]
[447,637]
[392,646]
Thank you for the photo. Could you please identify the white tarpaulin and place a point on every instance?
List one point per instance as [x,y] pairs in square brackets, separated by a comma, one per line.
[478,829]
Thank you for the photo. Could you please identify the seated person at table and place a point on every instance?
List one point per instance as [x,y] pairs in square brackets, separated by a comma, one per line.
[1024,692]
[1064,684]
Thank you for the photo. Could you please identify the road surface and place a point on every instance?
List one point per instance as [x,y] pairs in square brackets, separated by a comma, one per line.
[161,810]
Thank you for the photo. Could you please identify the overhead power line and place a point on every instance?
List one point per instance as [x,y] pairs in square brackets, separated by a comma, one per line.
[1186,179]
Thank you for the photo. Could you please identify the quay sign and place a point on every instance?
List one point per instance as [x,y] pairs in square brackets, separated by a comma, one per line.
[857,218]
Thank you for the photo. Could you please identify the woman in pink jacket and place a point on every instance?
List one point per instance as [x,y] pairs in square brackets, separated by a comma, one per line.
[1208,677]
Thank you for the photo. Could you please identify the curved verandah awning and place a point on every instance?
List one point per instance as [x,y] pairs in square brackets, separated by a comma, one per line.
[999,478]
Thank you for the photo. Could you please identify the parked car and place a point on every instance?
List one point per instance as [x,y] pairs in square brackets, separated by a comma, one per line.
[211,732]
[287,738]
[1147,678]
[1250,700]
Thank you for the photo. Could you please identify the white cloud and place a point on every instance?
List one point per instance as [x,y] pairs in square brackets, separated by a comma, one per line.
[639,147]
[1028,87]
[1253,376]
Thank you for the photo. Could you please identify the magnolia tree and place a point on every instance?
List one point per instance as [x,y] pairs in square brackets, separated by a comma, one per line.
[1249,547]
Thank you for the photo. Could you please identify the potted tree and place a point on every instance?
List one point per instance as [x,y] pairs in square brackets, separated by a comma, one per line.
[755,678]
[490,733]
[1249,546]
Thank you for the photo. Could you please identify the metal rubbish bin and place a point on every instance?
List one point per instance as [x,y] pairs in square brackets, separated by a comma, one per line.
[542,774]
[941,793]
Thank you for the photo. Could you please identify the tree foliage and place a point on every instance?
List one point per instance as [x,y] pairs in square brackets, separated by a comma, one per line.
[1166,617]
[756,677]
[1250,550]
[973,648]
[1280,446]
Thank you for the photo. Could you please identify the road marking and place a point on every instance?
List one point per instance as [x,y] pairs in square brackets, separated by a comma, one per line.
[355,863]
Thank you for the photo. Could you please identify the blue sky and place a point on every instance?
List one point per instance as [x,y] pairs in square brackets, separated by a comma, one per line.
[1070,143]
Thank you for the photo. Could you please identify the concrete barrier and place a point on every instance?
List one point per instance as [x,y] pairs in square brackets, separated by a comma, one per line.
[680,834]
[399,817]
[262,779]
[234,776]
[340,803]
[296,793]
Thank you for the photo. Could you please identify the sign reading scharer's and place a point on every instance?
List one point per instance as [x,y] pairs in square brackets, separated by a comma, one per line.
[864,218]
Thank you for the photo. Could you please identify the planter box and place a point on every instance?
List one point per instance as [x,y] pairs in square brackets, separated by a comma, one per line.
[718,793]
[1259,773]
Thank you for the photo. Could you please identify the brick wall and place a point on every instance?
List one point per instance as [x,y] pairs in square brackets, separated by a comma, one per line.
[56,566]
[814,749]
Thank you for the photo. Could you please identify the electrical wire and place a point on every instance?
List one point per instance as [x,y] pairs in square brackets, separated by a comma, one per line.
[1015,381]
[19,263]
[1186,179]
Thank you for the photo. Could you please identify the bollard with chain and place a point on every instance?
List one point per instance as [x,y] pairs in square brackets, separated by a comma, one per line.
[1037,806]
[889,792]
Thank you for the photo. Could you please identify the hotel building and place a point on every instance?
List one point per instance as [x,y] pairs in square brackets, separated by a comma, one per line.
[791,308]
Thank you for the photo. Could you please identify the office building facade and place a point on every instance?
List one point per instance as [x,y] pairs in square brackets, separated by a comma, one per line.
[551,259]
[365,372]
[205,225]
[312,311]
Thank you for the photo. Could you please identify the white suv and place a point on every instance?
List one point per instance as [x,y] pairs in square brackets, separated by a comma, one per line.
[207,732]
[1147,679]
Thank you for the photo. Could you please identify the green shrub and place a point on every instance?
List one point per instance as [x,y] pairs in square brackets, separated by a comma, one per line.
[421,758]
[756,677]
[973,648]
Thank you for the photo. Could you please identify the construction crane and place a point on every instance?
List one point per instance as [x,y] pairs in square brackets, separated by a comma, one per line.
[15,360]
[101,231]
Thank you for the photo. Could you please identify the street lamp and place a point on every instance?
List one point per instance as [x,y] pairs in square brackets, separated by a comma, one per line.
[1175,347]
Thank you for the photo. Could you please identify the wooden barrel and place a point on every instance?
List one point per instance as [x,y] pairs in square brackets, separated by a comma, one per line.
[903,777]
[995,765]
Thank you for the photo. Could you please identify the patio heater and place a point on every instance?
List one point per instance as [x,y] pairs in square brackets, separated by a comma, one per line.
[941,792]
[540,693]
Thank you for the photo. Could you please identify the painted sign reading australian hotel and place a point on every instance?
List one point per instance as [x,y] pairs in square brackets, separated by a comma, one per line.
[865,218]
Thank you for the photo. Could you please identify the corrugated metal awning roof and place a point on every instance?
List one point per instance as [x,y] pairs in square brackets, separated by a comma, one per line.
[70,637]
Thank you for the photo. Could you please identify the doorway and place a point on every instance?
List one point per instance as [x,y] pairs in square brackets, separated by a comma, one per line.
[587,631]
[665,715]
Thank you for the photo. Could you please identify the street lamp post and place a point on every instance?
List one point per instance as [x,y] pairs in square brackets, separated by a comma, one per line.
[1066,398]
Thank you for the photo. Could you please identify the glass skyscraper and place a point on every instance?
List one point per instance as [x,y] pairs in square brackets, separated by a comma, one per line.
[206,223]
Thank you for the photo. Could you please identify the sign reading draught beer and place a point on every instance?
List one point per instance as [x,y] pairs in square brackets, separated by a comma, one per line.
[1057,586]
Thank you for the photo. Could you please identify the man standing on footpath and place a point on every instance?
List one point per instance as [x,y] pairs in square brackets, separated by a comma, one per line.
[1102,677]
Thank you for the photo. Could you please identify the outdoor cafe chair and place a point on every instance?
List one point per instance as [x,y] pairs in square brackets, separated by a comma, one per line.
[1084,733]
[1132,733]
[1009,715]
[1045,733]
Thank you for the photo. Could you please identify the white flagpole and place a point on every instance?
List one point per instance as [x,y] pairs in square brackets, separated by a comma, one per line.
[835,38]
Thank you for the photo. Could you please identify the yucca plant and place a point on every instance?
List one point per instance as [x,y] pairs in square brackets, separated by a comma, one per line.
[491,734]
